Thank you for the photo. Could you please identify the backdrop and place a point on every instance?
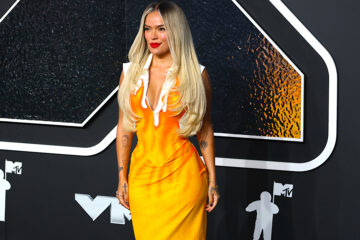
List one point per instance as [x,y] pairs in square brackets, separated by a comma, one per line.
[284,85]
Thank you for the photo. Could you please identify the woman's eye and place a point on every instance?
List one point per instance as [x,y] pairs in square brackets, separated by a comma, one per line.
[162,29]
[146,29]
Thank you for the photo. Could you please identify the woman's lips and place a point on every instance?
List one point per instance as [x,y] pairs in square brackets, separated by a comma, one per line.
[154,45]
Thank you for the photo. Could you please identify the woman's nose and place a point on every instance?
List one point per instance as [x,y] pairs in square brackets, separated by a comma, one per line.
[153,34]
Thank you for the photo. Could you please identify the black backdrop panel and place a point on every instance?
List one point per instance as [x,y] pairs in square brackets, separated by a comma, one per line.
[41,202]
[216,60]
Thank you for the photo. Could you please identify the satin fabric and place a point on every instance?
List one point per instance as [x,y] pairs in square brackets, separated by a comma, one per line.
[168,181]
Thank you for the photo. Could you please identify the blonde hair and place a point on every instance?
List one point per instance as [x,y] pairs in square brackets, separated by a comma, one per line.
[191,88]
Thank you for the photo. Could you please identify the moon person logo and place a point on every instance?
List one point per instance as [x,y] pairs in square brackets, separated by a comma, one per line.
[10,167]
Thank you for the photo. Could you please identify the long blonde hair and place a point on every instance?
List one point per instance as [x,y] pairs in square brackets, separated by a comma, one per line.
[191,88]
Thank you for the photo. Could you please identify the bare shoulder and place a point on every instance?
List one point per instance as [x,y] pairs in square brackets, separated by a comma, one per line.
[126,66]
[206,79]
[121,77]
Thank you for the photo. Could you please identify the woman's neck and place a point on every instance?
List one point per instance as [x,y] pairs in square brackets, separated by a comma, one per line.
[162,61]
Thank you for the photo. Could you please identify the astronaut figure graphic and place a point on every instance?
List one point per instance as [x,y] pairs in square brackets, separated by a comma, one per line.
[4,185]
[265,210]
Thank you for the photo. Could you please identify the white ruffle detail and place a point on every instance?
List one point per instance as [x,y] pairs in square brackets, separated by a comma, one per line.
[165,100]
[145,80]
[156,119]
[138,85]
[167,85]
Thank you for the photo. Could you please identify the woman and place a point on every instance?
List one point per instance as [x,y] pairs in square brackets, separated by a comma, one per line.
[164,96]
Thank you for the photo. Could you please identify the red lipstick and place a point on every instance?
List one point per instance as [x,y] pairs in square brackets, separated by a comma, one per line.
[154,45]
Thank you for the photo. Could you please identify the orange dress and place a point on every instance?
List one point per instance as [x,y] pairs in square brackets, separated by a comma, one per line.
[168,180]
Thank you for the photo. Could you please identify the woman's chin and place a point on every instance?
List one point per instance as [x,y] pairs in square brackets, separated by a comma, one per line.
[154,50]
[159,52]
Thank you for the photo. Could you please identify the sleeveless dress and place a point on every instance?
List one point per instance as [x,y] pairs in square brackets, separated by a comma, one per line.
[168,181]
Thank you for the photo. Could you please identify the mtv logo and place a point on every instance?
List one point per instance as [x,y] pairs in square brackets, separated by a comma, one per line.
[13,167]
[285,190]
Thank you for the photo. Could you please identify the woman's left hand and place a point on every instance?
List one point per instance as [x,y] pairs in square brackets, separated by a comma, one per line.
[213,195]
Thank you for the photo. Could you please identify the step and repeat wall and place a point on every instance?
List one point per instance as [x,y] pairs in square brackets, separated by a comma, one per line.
[285,136]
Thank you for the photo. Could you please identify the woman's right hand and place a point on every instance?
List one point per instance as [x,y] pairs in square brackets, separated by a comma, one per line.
[122,193]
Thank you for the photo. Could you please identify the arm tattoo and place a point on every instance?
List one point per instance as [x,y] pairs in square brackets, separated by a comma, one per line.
[125,140]
[120,169]
[125,188]
[203,144]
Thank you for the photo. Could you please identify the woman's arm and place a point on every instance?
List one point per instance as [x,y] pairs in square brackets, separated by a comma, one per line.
[123,147]
[205,135]
[205,138]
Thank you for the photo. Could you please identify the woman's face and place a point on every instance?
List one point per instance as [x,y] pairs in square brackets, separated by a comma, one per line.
[155,34]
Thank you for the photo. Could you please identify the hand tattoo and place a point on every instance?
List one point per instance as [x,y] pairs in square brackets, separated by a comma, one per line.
[216,190]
